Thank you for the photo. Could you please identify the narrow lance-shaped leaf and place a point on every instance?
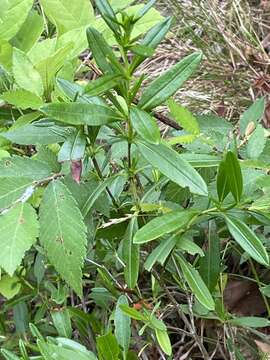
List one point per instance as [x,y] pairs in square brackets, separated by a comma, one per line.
[153,38]
[131,255]
[164,224]
[234,175]
[169,82]
[73,148]
[196,284]
[107,347]
[247,239]
[63,233]
[122,324]
[210,263]
[160,253]
[18,232]
[108,14]
[80,114]
[164,341]
[102,84]
[103,54]
[223,187]
[173,165]
[145,125]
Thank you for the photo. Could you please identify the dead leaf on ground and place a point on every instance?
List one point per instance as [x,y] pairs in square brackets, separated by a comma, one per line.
[264,348]
[243,297]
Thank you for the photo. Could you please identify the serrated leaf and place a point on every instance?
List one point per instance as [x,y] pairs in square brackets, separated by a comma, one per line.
[253,114]
[145,125]
[131,254]
[122,324]
[164,224]
[18,232]
[81,114]
[171,164]
[22,99]
[12,15]
[256,143]
[196,284]
[168,83]
[68,14]
[247,239]
[234,175]
[17,166]
[12,189]
[63,233]
[25,74]
[184,117]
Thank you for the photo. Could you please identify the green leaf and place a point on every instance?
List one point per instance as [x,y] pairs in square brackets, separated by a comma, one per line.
[184,117]
[171,164]
[80,114]
[68,14]
[108,348]
[65,238]
[247,239]
[18,166]
[37,133]
[13,189]
[26,76]
[164,224]
[87,206]
[50,65]
[160,253]
[8,355]
[256,143]
[189,246]
[201,160]
[133,313]
[253,114]
[164,341]
[196,284]
[142,50]
[131,255]
[145,125]
[223,187]
[108,15]
[234,175]
[102,84]
[169,82]
[153,38]
[103,54]
[12,16]
[10,286]
[18,232]
[30,32]
[22,99]
[122,324]
[145,9]
[6,51]
[250,321]
[73,148]
[210,263]
[62,322]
